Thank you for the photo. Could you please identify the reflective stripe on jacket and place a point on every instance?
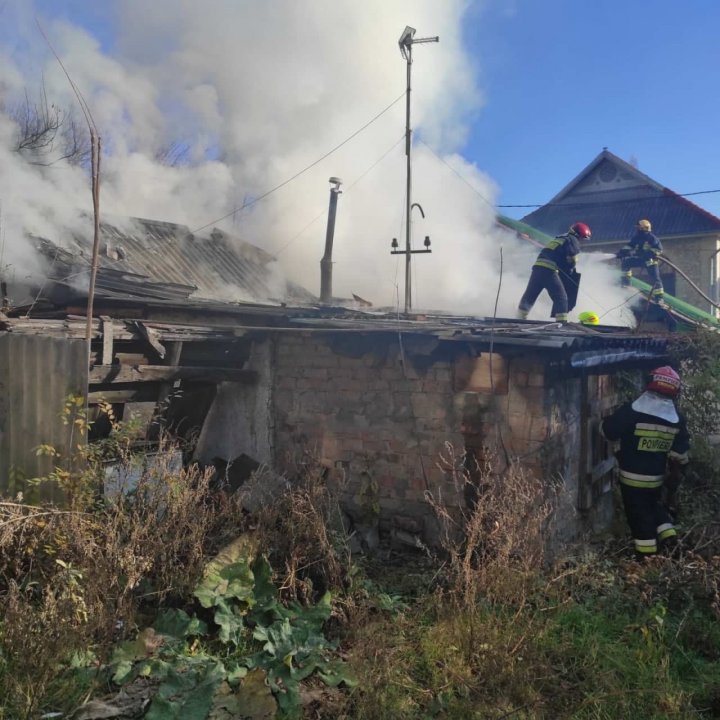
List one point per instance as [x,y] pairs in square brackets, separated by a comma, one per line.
[559,254]
[645,245]
[646,442]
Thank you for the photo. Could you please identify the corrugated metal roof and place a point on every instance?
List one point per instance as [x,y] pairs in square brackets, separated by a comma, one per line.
[571,344]
[217,265]
[153,259]
[580,346]
[611,195]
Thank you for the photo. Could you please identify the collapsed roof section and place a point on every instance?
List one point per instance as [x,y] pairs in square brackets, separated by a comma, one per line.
[153,260]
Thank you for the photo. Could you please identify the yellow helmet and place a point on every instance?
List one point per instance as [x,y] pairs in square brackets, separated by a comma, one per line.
[645,225]
[589,318]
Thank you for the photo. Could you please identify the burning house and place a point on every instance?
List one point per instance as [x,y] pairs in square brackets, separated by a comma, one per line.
[375,399]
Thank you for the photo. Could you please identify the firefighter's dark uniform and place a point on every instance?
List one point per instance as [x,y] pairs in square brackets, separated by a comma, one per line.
[647,440]
[558,256]
[643,250]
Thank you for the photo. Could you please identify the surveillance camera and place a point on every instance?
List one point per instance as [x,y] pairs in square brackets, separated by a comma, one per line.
[335,181]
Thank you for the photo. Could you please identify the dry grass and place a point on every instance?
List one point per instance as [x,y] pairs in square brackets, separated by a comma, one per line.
[72,580]
[495,545]
[83,576]
[302,534]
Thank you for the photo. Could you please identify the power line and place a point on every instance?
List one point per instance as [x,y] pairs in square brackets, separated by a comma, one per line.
[663,196]
[296,175]
[670,195]
[349,187]
[447,164]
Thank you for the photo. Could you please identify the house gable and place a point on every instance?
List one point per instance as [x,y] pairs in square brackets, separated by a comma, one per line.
[611,195]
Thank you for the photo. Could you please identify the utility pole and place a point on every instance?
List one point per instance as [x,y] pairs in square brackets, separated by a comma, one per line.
[407,40]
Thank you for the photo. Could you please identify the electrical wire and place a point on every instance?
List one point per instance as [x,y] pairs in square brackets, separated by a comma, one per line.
[347,189]
[584,292]
[669,195]
[447,164]
[304,170]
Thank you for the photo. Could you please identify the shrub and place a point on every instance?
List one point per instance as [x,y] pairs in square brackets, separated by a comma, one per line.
[76,576]
[495,544]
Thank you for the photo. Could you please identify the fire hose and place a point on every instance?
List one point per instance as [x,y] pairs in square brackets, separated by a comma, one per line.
[689,281]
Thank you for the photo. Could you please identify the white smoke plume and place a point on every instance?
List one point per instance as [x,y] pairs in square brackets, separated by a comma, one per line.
[255,92]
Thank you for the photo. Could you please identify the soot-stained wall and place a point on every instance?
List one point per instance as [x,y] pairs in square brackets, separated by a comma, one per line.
[382,413]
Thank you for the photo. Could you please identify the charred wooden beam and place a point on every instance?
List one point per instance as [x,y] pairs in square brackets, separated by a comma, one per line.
[151,336]
[106,374]
[146,392]
[172,360]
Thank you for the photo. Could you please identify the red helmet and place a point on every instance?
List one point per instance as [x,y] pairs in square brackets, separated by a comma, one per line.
[664,381]
[581,230]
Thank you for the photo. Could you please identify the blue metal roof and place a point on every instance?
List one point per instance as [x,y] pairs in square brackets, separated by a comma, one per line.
[611,195]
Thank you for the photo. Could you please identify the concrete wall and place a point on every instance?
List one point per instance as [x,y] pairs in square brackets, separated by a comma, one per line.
[380,418]
[240,419]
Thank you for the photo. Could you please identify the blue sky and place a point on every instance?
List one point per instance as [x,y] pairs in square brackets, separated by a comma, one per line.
[562,79]
[565,78]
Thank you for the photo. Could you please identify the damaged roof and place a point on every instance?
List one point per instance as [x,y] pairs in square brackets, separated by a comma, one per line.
[577,346]
[611,195]
[572,346]
[164,261]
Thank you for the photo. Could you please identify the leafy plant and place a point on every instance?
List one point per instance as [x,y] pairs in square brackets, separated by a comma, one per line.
[289,646]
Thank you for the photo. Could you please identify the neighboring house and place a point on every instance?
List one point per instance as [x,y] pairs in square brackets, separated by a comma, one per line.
[611,195]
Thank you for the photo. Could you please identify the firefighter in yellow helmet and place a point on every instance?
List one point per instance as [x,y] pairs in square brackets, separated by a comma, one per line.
[589,318]
[643,250]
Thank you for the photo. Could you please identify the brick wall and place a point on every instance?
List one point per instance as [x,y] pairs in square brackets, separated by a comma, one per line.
[378,424]
[381,425]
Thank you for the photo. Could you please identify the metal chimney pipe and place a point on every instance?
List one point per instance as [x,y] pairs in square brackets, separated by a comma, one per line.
[326,262]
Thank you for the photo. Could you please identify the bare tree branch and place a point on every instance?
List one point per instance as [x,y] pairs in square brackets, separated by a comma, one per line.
[46,134]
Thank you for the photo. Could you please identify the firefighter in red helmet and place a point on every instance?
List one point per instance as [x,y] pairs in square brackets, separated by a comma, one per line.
[554,271]
[654,444]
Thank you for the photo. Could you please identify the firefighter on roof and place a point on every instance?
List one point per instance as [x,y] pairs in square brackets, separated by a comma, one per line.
[554,271]
[654,443]
[643,250]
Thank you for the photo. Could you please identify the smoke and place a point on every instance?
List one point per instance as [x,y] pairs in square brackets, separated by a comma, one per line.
[253,93]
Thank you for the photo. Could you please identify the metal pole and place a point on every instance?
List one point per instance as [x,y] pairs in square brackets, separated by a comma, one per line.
[408,189]
[407,40]
[326,262]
